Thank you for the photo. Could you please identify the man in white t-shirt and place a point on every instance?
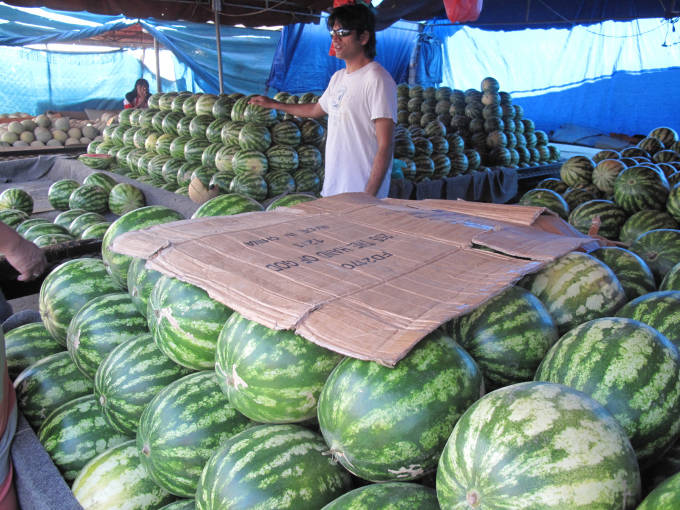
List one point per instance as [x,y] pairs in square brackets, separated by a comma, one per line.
[361,103]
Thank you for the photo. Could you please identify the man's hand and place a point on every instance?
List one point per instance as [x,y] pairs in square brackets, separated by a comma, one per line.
[265,101]
[307,110]
[23,255]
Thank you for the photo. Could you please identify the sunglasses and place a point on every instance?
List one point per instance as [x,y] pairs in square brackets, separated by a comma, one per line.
[340,33]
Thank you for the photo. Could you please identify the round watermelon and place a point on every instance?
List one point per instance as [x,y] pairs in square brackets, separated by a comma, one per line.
[124,198]
[577,171]
[392,496]
[660,249]
[17,199]
[665,497]
[225,205]
[672,279]
[604,215]
[387,424]
[660,310]
[182,427]
[89,197]
[633,273]
[28,344]
[538,445]
[140,283]
[640,187]
[271,466]
[643,221]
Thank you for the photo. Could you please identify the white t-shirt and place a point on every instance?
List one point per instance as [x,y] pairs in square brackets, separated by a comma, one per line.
[353,101]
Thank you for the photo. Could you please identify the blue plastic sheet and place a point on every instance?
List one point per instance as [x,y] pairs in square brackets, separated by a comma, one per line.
[302,62]
[617,77]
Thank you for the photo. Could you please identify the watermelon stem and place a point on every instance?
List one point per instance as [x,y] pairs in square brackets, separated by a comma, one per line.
[473,498]
[146,450]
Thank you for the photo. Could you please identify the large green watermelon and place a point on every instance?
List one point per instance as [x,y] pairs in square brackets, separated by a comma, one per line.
[271,466]
[116,480]
[660,310]
[507,336]
[660,249]
[629,368]
[76,432]
[546,198]
[576,288]
[392,496]
[672,279]
[17,199]
[633,273]
[604,213]
[185,322]
[665,497]
[224,205]
[182,427]
[140,283]
[385,424]
[640,187]
[48,383]
[101,324]
[116,263]
[67,288]
[128,379]
[271,376]
[538,445]
[643,221]
[28,344]
[577,171]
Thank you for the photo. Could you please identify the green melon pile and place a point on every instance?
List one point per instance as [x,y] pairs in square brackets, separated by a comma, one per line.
[619,195]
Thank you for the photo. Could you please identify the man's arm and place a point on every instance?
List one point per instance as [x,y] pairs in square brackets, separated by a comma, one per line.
[310,110]
[23,255]
[384,131]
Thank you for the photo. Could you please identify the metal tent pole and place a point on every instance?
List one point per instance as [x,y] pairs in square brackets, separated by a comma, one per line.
[217,7]
[158,65]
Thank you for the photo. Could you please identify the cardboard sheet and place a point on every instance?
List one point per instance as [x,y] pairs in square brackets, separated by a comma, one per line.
[360,276]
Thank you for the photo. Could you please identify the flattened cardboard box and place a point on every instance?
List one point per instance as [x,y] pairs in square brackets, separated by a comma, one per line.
[363,277]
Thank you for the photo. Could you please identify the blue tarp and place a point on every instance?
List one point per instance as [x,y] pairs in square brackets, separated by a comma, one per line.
[302,62]
[617,77]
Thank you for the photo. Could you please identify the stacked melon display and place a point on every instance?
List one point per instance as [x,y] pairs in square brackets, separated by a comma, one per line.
[482,128]
[203,145]
[44,130]
[143,383]
[618,195]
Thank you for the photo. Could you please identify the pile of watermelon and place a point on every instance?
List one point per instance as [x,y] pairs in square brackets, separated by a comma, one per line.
[203,145]
[561,392]
[618,195]
[443,132]
[47,131]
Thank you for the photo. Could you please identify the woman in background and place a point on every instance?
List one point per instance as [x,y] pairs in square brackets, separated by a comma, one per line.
[139,96]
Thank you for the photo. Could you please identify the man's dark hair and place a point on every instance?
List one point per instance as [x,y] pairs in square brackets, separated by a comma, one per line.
[358,18]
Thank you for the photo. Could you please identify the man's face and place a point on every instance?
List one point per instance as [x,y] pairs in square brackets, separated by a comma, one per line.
[347,47]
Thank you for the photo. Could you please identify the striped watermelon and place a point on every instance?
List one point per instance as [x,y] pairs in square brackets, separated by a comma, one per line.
[76,432]
[198,126]
[43,229]
[643,221]
[199,185]
[170,122]
[12,218]
[286,133]
[673,202]
[165,101]
[224,158]
[666,156]
[606,154]
[128,484]
[194,148]
[283,157]
[84,221]
[176,148]
[116,263]
[393,496]
[576,288]
[182,504]
[129,134]
[605,212]
[182,427]
[155,166]
[660,249]
[222,107]
[310,158]
[657,309]
[124,198]
[208,157]
[307,181]
[225,205]
[640,187]
[546,198]
[183,127]
[289,199]
[538,445]
[633,273]
[554,184]
[205,103]
[64,219]
[666,135]
[664,497]
[251,162]
[59,193]
[577,171]
[50,239]
[221,180]
[89,197]
[129,378]
[214,130]
[256,114]
[184,173]
[605,174]
[67,288]
[28,344]
[271,376]
[507,336]
[628,367]
[230,133]
[140,283]
[271,466]
[101,324]
[95,231]
[47,384]
[104,181]
[387,424]
[672,279]
[651,145]
[252,185]
[96,161]
[185,322]
[279,182]
[26,224]
[254,137]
